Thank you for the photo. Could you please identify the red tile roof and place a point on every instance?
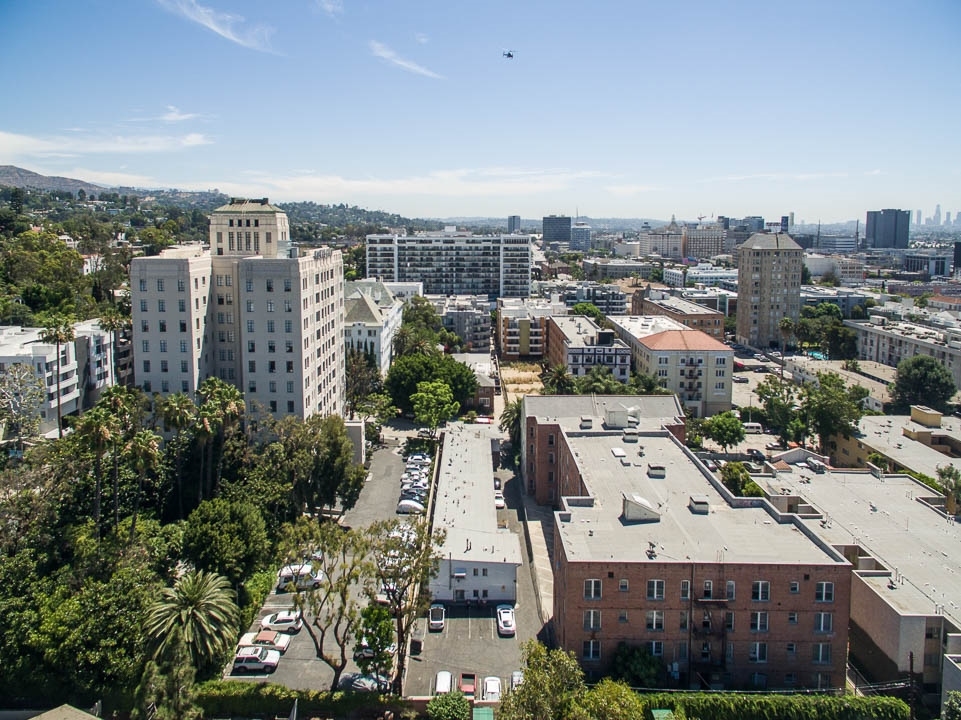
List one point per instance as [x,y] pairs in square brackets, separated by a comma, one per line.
[683,340]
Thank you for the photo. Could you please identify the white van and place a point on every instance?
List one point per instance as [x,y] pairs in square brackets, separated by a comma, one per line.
[753,428]
[443,682]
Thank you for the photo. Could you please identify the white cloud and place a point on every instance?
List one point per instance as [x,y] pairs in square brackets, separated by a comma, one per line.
[173,115]
[331,7]
[14,146]
[385,53]
[105,177]
[230,27]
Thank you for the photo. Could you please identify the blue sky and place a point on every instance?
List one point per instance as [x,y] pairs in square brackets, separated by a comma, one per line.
[621,108]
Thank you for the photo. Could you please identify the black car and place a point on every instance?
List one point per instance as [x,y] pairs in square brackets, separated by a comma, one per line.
[756,455]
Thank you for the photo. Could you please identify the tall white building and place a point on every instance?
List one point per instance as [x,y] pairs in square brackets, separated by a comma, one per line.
[253,311]
[453,262]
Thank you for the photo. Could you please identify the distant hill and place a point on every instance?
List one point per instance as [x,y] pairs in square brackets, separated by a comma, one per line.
[534,225]
[12,176]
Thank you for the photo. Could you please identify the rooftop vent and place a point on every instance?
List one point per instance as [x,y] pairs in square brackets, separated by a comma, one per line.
[699,504]
[656,471]
[635,508]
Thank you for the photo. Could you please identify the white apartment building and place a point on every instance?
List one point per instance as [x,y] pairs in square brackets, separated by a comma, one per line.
[86,367]
[667,241]
[704,241]
[850,271]
[453,262]
[252,311]
[889,342]
[690,363]
[702,274]
[372,317]
[522,325]
[580,345]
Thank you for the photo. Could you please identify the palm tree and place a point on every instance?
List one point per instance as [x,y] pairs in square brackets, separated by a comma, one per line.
[97,430]
[511,419]
[125,405]
[201,610]
[786,326]
[224,405]
[144,449]
[558,381]
[113,322]
[58,330]
[179,413]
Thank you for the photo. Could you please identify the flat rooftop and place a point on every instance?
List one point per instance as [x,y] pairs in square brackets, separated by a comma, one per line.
[876,389]
[682,306]
[885,434]
[724,534]
[582,332]
[885,518]
[651,411]
[464,498]
[641,326]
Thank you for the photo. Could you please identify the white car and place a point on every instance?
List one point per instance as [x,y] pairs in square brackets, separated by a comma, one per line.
[304,577]
[435,617]
[255,659]
[366,651]
[492,689]
[289,621]
[499,501]
[410,507]
[505,621]
[270,639]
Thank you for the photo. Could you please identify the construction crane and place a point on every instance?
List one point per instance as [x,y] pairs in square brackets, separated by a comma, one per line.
[701,217]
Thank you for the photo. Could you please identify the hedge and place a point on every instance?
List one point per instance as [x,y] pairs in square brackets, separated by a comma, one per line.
[232,698]
[728,706]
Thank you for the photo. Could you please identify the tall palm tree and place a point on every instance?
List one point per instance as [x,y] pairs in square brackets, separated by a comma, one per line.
[59,331]
[179,413]
[786,327]
[97,430]
[559,381]
[144,449]
[511,419]
[201,609]
[226,405]
[125,405]
[113,321]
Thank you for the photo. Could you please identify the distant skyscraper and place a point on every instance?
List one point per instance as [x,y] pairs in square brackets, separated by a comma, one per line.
[513,224]
[887,228]
[917,217]
[785,223]
[790,222]
[768,287]
[557,228]
[947,218]
[937,214]
[581,237]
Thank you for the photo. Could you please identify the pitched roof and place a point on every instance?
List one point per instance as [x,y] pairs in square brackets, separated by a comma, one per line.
[361,308]
[770,241]
[682,340]
[64,712]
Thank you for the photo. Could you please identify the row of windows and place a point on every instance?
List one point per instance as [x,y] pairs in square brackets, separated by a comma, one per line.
[760,589]
[181,284]
[271,366]
[759,620]
[271,306]
[757,652]
[272,388]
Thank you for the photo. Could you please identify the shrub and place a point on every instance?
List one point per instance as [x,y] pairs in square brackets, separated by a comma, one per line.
[252,595]
[234,698]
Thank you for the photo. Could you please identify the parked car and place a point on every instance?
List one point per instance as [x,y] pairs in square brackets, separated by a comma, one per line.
[366,651]
[255,659]
[761,369]
[499,501]
[740,379]
[289,621]
[497,483]
[424,433]
[505,621]
[492,689]
[435,617]
[364,683]
[517,678]
[410,507]
[711,465]
[756,455]
[270,639]
[303,577]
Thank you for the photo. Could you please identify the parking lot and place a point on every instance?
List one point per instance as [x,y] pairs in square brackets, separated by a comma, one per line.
[469,641]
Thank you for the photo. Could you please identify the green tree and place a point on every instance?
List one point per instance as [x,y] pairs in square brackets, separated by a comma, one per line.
[223,408]
[725,429]
[511,420]
[166,690]
[589,310]
[201,611]
[58,330]
[406,372]
[558,380]
[610,700]
[226,538]
[144,451]
[553,685]
[113,321]
[333,609]
[377,628]
[403,561]
[949,478]
[449,706]
[831,406]
[179,414]
[778,398]
[433,404]
[922,380]
[636,666]
[21,397]
[952,706]
[97,429]
[599,380]
[735,477]
[362,379]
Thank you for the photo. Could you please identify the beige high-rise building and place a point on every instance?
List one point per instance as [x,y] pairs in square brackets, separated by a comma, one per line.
[252,310]
[768,287]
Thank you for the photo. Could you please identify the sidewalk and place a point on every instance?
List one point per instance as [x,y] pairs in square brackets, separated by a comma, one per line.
[539,529]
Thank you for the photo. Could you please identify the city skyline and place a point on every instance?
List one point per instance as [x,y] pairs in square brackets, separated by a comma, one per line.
[766,111]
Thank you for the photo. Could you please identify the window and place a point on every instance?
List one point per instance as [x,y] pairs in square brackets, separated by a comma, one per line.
[288,326]
[270,326]
[143,306]
[821,653]
[272,366]
[795,587]
[271,346]
[252,386]
[655,620]
[685,589]
[685,620]
[791,649]
[592,589]
[708,589]
[790,678]
[592,619]
[729,620]
[270,285]
[182,306]
[290,408]
[730,589]
[758,622]
[163,346]
[183,346]
[251,366]
[250,326]
[823,622]
[145,345]
[289,346]
[623,585]
[290,366]
[160,285]
[144,326]
[146,366]
[792,618]
[550,439]
[656,648]
[161,306]
[273,406]
[183,366]
[622,616]
[290,386]
[592,650]
[757,652]
[143,285]
[183,326]
[251,346]
[287,283]
[824,592]
[655,589]
[761,590]
[250,306]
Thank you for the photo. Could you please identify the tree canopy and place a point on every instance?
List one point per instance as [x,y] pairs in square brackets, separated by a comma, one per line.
[725,429]
[922,380]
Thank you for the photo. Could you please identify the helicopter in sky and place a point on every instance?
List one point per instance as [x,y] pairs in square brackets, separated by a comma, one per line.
[509,54]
